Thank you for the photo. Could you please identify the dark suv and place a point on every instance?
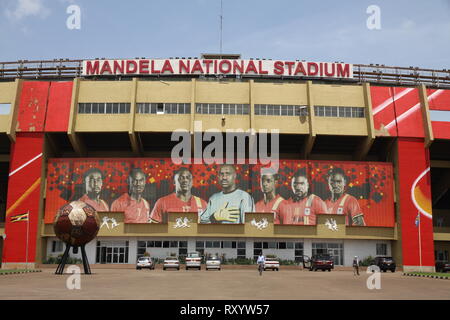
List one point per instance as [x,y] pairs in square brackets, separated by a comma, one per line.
[385,263]
[442,266]
[319,261]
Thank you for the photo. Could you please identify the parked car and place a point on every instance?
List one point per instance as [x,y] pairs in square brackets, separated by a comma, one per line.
[193,260]
[213,263]
[171,262]
[145,262]
[272,263]
[319,261]
[442,266]
[385,263]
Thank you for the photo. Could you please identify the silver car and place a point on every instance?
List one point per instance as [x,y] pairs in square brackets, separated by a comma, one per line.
[193,260]
[213,263]
[171,262]
[145,262]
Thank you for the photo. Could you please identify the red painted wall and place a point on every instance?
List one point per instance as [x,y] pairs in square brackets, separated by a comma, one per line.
[396,112]
[408,113]
[58,108]
[440,100]
[441,130]
[23,196]
[412,162]
[383,111]
[33,106]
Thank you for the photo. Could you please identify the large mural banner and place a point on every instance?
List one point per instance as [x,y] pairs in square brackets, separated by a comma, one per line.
[145,190]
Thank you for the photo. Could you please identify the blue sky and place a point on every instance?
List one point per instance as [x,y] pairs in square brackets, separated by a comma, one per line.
[413,33]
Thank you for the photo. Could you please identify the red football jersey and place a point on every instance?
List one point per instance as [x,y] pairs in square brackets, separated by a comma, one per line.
[271,206]
[302,212]
[171,203]
[100,206]
[347,205]
[135,211]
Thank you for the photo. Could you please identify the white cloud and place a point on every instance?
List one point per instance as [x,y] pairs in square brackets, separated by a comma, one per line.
[25,8]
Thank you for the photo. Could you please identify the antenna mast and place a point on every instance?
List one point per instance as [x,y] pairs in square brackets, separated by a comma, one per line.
[221,22]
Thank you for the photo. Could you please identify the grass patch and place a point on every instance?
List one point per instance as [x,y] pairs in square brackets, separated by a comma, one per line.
[7,271]
[438,274]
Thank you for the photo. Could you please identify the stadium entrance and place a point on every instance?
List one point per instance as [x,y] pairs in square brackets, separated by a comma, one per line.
[111,252]
[335,250]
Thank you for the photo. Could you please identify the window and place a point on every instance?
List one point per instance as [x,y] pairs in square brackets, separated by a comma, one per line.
[256,253]
[280,110]
[222,108]
[212,244]
[160,108]
[104,108]
[182,248]
[95,107]
[183,244]
[241,252]
[298,254]
[339,112]
[441,255]
[116,251]
[381,249]
[163,108]
[200,245]
[438,115]
[229,244]
[147,246]
[319,111]
[57,246]
[5,108]
[336,250]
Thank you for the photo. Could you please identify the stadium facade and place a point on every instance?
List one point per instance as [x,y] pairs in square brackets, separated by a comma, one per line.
[372,155]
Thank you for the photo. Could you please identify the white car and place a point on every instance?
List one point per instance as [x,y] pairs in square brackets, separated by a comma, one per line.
[171,262]
[272,263]
[193,260]
[145,262]
[213,263]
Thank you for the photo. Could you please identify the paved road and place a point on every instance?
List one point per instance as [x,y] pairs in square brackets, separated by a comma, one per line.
[225,284]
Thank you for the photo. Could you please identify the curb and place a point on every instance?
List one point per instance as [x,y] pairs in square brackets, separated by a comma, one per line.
[426,276]
[20,272]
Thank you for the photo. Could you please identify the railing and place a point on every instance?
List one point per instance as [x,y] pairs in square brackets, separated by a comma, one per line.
[376,74]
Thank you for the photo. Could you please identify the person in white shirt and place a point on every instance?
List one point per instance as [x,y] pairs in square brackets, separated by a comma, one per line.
[260,262]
